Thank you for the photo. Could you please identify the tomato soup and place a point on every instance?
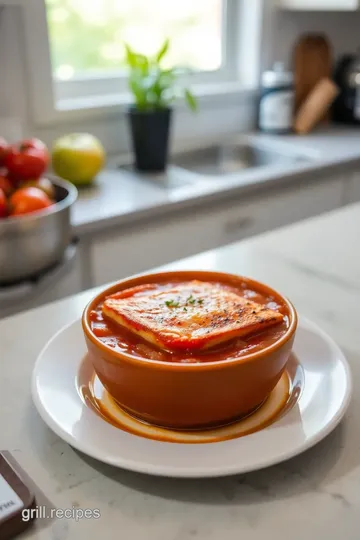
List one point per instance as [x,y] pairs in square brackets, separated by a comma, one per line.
[189,321]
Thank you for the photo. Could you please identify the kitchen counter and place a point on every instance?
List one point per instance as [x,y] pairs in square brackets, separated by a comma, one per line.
[120,198]
[316,495]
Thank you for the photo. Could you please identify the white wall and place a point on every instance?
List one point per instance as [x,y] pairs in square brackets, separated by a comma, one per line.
[13,91]
[284,28]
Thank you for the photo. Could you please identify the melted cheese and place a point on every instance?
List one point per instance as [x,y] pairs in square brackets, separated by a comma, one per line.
[187,315]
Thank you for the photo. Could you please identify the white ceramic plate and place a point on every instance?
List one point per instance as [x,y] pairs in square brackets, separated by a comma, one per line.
[324,398]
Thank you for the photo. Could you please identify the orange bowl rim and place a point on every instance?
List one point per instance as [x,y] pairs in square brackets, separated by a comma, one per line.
[187,274]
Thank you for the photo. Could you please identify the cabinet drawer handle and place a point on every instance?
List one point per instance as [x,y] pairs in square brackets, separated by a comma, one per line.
[238,224]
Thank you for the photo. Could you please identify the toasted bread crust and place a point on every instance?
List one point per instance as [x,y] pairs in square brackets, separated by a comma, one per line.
[191,315]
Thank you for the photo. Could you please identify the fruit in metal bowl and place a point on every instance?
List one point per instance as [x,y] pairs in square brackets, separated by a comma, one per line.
[23,189]
[27,159]
[44,184]
[3,204]
[27,200]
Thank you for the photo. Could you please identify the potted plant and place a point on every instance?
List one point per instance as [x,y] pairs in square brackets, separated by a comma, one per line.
[154,89]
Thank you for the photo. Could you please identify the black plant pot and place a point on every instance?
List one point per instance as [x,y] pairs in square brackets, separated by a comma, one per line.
[150,132]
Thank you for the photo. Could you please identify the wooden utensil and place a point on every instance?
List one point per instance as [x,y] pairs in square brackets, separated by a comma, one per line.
[315,105]
[312,62]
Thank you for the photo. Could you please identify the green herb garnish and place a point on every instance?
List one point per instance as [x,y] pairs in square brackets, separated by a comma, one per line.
[172,304]
[190,301]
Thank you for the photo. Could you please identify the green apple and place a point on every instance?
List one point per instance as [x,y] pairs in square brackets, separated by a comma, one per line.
[78,157]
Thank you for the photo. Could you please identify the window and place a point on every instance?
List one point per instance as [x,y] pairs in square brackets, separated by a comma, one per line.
[75,48]
[87,37]
[87,40]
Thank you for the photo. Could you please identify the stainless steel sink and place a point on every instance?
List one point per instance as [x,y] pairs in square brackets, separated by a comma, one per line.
[193,168]
[225,159]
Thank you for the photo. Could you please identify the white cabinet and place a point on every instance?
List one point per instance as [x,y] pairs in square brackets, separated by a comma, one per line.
[352,188]
[157,242]
[319,5]
[69,283]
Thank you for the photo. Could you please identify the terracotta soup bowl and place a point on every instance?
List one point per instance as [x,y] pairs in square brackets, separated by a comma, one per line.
[216,390]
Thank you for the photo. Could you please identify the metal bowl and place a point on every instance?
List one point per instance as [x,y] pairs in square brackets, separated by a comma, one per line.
[32,243]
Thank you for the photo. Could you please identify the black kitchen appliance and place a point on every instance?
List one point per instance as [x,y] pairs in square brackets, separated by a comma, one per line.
[346,109]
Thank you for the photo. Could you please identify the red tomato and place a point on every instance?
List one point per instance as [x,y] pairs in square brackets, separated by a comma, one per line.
[27,200]
[3,204]
[4,147]
[27,160]
[6,185]
[33,143]
[15,182]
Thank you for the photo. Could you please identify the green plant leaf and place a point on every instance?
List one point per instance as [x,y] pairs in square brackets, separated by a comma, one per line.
[142,64]
[154,87]
[131,56]
[138,90]
[167,77]
[136,61]
[163,50]
[190,99]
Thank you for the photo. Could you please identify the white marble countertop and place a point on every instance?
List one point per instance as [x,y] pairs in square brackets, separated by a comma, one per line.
[314,496]
[119,198]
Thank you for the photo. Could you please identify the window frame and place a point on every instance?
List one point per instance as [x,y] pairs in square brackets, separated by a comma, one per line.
[96,84]
[54,101]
